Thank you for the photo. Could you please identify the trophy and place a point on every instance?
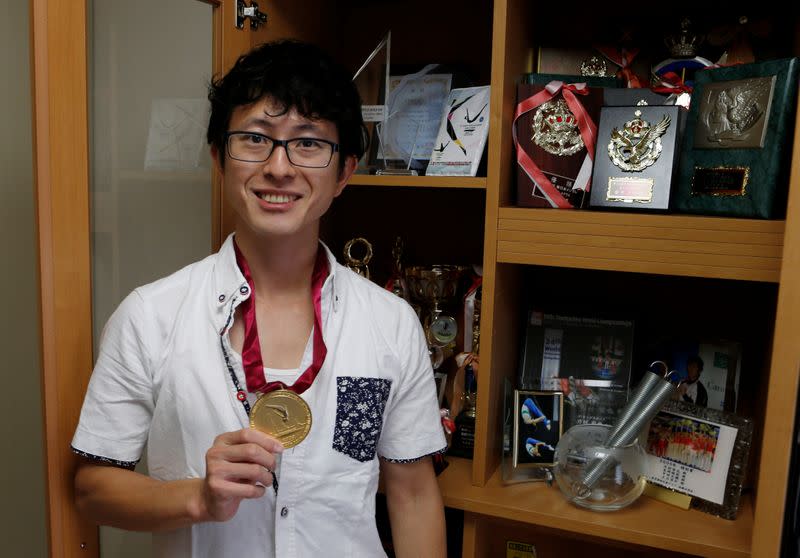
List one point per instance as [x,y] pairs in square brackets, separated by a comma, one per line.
[397,281]
[683,61]
[436,288]
[372,82]
[358,264]
[463,440]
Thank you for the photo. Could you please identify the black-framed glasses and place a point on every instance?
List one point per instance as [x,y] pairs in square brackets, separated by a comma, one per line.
[252,147]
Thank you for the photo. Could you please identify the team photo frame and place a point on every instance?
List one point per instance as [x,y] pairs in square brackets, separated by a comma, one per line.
[700,452]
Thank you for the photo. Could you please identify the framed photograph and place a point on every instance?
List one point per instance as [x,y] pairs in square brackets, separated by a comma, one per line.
[590,405]
[594,350]
[537,427]
[712,367]
[700,452]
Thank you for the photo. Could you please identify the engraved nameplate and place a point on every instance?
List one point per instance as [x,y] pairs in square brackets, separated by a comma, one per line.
[720,181]
[630,190]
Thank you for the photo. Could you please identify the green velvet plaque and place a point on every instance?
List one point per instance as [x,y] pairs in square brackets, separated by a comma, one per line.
[736,147]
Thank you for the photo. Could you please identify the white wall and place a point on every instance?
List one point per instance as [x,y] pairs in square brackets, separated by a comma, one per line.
[22,515]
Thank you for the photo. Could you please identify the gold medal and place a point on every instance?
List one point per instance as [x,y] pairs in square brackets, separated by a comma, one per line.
[282,414]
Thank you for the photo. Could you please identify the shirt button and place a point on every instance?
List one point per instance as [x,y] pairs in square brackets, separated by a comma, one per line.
[244,290]
[284,511]
[222,298]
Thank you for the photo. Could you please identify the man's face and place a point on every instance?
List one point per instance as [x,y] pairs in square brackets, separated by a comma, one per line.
[693,372]
[275,198]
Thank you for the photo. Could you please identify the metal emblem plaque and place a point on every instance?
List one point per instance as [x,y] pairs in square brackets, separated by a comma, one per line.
[638,145]
[555,129]
[734,114]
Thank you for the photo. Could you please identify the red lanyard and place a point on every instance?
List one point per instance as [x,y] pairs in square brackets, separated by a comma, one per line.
[251,349]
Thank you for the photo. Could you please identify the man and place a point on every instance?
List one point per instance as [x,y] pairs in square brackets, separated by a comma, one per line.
[693,390]
[184,360]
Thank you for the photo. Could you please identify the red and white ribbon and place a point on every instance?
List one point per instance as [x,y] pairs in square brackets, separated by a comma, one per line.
[587,128]
[671,83]
[623,57]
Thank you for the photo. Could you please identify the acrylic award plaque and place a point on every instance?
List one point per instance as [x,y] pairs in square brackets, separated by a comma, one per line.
[463,131]
[372,82]
[414,108]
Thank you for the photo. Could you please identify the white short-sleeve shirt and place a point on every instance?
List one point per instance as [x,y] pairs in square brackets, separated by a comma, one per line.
[167,378]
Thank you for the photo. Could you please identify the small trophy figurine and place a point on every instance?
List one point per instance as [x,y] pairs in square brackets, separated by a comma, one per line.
[397,282]
[463,443]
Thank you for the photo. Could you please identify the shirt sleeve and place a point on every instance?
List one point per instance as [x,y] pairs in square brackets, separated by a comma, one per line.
[118,407]
[412,426]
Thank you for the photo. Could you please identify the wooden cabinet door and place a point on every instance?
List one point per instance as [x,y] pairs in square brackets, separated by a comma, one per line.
[80,202]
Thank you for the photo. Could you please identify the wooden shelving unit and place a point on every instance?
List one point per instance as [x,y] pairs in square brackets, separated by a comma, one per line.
[647,523]
[517,241]
[743,249]
[477,183]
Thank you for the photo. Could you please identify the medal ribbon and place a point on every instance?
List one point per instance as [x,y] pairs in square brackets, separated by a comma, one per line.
[587,128]
[623,58]
[251,349]
[672,83]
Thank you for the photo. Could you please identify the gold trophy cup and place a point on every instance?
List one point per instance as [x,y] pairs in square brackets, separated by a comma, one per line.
[436,288]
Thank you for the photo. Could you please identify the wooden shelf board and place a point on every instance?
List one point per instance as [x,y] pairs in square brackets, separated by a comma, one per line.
[647,522]
[741,249]
[643,219]
[463,182]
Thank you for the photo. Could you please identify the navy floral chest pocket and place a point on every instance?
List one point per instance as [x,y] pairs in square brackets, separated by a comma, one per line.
[359,415]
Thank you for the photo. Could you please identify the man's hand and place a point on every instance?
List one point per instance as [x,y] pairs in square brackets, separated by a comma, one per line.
[239,465]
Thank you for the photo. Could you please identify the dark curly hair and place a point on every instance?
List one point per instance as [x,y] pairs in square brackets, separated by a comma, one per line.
[297,76]
[697,360]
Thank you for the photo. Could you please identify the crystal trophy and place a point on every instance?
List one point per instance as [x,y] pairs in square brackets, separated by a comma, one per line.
[372,82]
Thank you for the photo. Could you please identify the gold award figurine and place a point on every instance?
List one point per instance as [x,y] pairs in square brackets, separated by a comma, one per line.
[555,129]
[638,145]
[282,414]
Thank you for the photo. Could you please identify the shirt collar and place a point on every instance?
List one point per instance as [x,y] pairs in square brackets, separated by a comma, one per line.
[229,282]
